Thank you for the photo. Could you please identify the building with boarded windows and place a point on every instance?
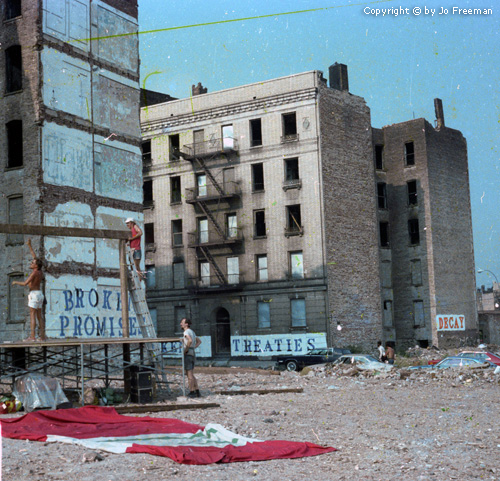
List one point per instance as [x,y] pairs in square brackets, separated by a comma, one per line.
[279,220]
[69,155]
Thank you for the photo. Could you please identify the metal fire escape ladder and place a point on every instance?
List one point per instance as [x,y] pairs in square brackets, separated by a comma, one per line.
[138,297]
[210,215]
[208,256]
[207,171]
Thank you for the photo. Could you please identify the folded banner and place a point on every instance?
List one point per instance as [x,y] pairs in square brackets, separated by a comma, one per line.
[103,428]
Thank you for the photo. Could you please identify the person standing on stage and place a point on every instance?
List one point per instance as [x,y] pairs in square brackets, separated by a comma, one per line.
[190,342]
[35,297]
[135,244]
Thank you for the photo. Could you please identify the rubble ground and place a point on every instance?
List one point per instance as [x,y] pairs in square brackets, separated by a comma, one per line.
[399,425]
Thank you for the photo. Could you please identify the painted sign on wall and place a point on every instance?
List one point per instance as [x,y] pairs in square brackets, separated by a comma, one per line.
[450,322]
[173,348]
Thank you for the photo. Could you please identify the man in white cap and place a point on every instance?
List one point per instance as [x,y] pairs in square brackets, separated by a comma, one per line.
[135,244]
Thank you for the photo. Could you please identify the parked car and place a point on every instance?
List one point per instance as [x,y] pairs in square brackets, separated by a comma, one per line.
[452,361]
[363,361]
[296,362]
[480,355]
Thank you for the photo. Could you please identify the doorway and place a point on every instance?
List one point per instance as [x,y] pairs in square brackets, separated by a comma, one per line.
[223,332]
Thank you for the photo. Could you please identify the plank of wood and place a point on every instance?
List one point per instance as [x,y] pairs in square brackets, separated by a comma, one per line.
[155,408]
[261,391]
[63,231]
[227,370]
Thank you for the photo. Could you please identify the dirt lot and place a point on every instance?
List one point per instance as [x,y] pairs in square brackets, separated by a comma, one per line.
[397,426]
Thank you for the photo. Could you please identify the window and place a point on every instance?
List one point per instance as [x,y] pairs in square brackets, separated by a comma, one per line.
[146,151]
[13,69]
[412,192]
[177,232]
[409,153]
[289,127]
[147,189]
[298,307]
[264,315]
[227,137]
[382,195]
[294,223]
[175,190]
[418,314]
[231,226]
[259,217]
[261,264]
[150,277]
[255,133]
[12,9]
[233,270]
[413,231]
[16,216]
[174,147]
[292,169]
[149,234]
[14,143]
[296,265]
[16,298]
[204,268]
[379,157]
[201,182]
[257,177]
[202,230]
[416,272]
[178,275]
[384,234]
[387,313]
[199,142]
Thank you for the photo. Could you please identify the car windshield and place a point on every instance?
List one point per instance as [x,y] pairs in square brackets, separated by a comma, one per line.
[315,352]
[474,355]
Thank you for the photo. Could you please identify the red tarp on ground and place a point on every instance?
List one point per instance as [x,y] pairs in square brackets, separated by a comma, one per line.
[104,422]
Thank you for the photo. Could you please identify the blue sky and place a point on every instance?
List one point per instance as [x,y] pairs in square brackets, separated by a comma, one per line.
[399,64]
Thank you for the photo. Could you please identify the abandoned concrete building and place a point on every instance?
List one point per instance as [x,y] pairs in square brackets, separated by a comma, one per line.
[70,155]
[279,219]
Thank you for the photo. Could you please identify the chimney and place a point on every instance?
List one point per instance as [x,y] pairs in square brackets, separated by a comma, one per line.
[199,89]
[338,76]
[438,108]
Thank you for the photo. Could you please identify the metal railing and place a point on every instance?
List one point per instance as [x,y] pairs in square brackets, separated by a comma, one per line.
[210,191]
[212,237]
[209,147]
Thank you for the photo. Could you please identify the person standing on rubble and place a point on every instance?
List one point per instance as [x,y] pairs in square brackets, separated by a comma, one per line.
[381,352]
[389,351]
[35,297]
[190,342]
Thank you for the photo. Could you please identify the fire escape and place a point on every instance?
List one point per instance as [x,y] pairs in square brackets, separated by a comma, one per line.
[211,197]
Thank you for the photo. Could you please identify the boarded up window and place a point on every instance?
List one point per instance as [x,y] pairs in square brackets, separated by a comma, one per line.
[178,275]
[16,216]
[298,307]
[386,274]
[416,272]
[16,298]
[387,313]
[418,314]
[264,315]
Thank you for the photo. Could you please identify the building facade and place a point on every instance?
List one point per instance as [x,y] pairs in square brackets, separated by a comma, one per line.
[70,155]
[266,220]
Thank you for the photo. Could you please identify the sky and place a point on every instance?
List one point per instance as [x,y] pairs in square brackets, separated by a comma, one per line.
[397,63]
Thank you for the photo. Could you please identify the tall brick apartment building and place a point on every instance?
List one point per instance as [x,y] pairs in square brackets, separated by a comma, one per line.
[70,154]
[279,220]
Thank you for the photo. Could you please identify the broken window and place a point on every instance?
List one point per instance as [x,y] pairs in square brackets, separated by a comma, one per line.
[146,151]
[387,313]
[418,314]
[175,190]
[379,157]
[409,153]
[257,177]
[255,132]
[384,234]
[177,232]
[298,308]
[13,69]
[227,137]
[294,223]
[14,143]
[178,275]
[296,265]
[413,231]
[412,192]
[12,9]
[264,315]
[259,223]
[261,264]
[16,216]
[231,226]
[174,148]
[150,276]
[147,188]
[289,127]
[382,195]
[149,235]
[16,298]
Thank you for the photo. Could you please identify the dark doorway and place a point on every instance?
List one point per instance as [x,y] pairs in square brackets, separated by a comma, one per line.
[223,332]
